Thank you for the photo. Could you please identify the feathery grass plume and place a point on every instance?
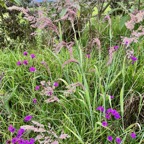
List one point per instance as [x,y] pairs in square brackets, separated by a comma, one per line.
[97,41]
[111,52]
[72,88]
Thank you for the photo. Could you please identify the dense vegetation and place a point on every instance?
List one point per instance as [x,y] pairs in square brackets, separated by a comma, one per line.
[72,72]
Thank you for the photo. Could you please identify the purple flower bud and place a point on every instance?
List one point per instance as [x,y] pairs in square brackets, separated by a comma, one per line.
[25,62]
[56,84]
[100,108]
[32,56]
[104,124]
[133,135]
[34,100]
[20,132]
[14,140]
[27,118]
[25,53]
[110,138]
[32,69]
[88,56]
[116,47]
[11,129]
[118,140]
[19,63]
[37,87]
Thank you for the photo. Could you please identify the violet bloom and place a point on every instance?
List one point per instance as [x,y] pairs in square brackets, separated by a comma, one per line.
[32,140]
[25,53]
[34,100]
[134,59]
[100,108]
[88,56]
[11,129]
[27,118]
[25,62]
[20,132]
[104,124]
[32,56]
[21,141]
[37,87]
[133,135]
[116,47]
[32,69]
[110,138]
[14,140]
[56,84]
[118,140]
[111,97]
[108,116]
[19,63]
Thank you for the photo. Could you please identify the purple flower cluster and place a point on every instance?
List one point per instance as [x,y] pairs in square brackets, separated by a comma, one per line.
[25,62]
[18,138]
[112,112]
[27,118]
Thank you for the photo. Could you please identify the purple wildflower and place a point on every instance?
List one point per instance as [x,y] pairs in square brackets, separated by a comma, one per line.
[21,141]
[133,135]
[19,63]
[14,140]
[32,140]
[110,138]
[116,47]
[111,97]
[27,118]
[20,132]
[37,87]
[25,62]
[104,124]
[32,56]
[118,140]
[32,69]
[34,100]
[11,129]
[56,84]
[134,59]
[25,53]
[108,116]
[88,56]
[100,108]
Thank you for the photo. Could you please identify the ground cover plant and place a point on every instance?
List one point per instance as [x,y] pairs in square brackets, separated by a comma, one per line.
[78,79]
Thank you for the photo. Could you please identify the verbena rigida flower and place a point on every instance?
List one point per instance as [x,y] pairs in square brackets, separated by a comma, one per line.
[34,100]
[133,135]
[27,118]
[14,140]
[25,53]
[32,69]
[11,129]
[111,96]
[110,138]
[37,87]
[25,62]
[32,56]
[32,140]
[20,132]
[19,63]
[100,108]
[116,47]
[118,140]
[88,56]
[134,59]
[56,84]
[104,124]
